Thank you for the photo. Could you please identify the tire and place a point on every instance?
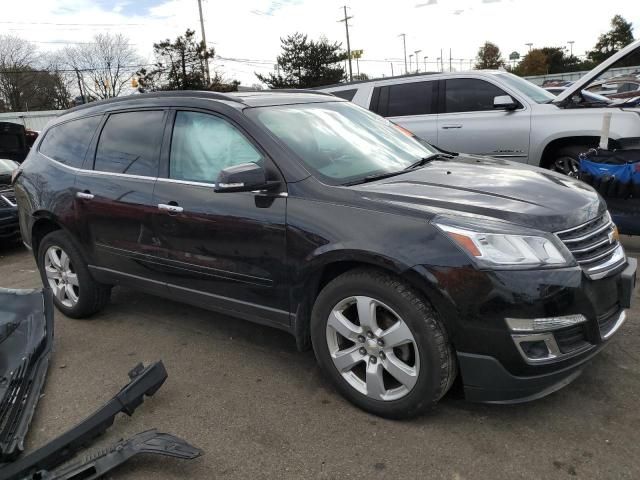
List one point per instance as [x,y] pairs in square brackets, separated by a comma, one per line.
[75,292]
[567,160]
[427,361]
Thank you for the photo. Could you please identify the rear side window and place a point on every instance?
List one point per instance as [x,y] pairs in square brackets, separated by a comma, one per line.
[403,99]
[130,143]
[346,94]
[470,95]
[68,142]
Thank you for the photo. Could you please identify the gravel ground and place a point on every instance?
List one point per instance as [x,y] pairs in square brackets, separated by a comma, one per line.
[259,409]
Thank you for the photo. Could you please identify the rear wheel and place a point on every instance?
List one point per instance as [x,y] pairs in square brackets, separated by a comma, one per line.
[62,268]
[381,344]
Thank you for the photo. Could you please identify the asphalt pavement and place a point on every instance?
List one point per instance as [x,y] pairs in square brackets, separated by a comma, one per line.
[261,410]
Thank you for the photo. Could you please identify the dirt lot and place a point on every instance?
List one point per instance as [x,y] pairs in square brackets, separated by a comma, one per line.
[259,409]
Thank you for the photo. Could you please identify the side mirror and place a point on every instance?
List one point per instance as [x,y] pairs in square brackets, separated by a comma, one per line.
[504,102]
[241,178]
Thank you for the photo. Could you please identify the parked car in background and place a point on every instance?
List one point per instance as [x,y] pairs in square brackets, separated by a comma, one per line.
[618,87]
[13,141]
[499,114]
[9,228]
[400,265]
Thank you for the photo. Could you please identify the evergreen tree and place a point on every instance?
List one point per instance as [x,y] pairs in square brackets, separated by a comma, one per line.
[306,63]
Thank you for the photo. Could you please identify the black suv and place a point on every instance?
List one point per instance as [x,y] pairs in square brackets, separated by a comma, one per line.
[403,266]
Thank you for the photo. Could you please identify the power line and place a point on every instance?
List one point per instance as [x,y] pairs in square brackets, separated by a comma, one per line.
[74,24]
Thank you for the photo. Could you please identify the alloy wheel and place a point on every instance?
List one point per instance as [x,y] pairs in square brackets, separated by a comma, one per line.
[567,165]
[372,348]
[61,276]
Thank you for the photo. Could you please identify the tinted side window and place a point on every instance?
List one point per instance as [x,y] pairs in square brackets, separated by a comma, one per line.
[68,142]
[203,144]
[470,95]
[410,99]
[346,94]
[130,143]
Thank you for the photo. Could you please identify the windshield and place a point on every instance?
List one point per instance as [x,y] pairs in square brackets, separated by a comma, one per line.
[341,142]
[7,166]
[534,92]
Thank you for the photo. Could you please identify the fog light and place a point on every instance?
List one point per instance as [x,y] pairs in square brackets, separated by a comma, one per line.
[535,350]
[544,324]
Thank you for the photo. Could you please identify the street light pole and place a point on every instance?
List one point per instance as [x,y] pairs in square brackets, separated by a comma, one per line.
[410,58]
[529,45]
[417,61]
[571,42]
[404,43]
[346,26]
[204,43]
[425,63]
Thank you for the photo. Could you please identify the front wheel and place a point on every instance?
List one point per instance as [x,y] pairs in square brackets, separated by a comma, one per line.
[381,344]
[567,160]
[62,268]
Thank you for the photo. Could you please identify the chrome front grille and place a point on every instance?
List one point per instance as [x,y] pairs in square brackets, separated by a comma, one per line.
[8,197]
[594,245]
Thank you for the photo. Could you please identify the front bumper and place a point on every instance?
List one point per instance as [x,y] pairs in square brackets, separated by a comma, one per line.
[474,306]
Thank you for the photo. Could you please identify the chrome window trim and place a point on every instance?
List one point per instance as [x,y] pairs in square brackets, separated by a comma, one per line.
[98,172]
[140,177]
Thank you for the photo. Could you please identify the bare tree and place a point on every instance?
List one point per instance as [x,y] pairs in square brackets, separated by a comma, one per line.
[105,66]
[17,58]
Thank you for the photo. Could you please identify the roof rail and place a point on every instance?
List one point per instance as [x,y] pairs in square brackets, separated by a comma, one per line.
[282,90]
[356,82]
[164,93]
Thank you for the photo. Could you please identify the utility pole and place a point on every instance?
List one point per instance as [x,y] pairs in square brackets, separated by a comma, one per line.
[204,44]
[346,26]
[571,42]
[417,61]
[404,43]
[80,86]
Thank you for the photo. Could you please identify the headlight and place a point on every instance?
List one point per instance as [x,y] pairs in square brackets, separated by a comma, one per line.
[493,244]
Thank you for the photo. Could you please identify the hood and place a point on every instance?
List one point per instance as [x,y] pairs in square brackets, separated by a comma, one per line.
[583,82]
[496,188]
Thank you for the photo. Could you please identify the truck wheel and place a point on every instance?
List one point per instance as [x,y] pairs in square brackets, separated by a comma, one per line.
[567,160]
[62,268]
[381,344]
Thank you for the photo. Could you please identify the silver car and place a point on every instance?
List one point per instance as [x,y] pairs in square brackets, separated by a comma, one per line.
[496,113]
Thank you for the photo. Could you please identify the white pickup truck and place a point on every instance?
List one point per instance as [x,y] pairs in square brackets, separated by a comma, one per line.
[496,113]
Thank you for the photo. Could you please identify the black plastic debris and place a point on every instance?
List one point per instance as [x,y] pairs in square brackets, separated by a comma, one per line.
[26,338]
[149,442]
[145,381]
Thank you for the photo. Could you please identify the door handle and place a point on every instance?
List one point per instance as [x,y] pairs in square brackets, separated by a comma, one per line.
[447,127]
[170,208]
[85,195]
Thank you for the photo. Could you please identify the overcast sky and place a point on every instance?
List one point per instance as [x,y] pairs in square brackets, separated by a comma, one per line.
[245,33]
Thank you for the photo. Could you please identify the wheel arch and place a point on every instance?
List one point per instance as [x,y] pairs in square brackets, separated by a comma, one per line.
[329,267]
[552,147]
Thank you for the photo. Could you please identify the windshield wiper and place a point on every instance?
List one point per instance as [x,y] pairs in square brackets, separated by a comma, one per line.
[424,160]
[419,163]
[373,178]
